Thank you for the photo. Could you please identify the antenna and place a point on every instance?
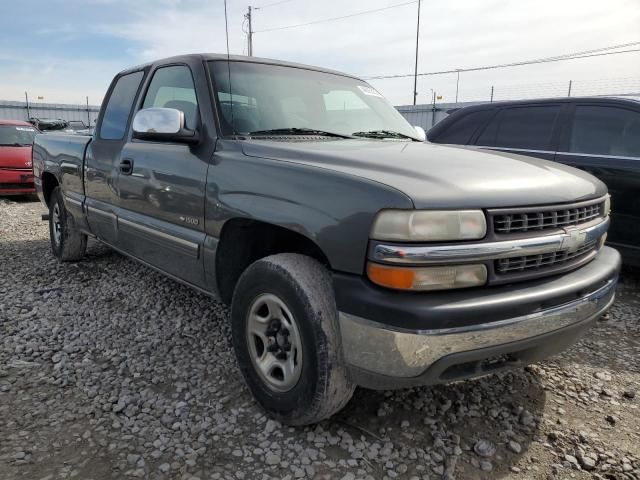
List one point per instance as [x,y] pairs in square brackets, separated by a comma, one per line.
[226,29]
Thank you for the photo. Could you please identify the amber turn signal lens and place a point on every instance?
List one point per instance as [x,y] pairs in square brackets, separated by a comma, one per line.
[391,277]
[427,278]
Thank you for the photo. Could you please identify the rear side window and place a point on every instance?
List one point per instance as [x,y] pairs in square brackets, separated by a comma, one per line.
[461,131]
[172,87]
[116,113]
[528,128]
[600,130]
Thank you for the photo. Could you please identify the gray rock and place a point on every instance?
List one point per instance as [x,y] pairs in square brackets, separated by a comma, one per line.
[514,446]
[272,459]
[587,462]
[571,459]
[485,448]
[486,465]
[630,394]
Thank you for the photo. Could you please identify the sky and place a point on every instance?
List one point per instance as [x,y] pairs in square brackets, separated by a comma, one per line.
[66,50]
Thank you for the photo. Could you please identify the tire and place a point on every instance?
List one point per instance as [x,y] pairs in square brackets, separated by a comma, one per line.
[295,292]
[68,244]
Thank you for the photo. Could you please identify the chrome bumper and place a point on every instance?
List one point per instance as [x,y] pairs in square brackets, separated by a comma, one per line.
[375,348]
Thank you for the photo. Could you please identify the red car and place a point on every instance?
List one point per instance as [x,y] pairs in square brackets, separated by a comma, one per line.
[16,171]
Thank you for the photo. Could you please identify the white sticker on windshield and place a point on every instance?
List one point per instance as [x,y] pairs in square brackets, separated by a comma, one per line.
[369,91]
[25,129]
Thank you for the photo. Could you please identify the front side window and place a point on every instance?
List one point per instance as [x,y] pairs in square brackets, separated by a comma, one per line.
[269,97]
[172,87]
[16,136]
[119,105]
[529,128]
[600,130]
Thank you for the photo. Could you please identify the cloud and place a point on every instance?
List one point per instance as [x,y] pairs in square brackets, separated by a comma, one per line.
[453,35]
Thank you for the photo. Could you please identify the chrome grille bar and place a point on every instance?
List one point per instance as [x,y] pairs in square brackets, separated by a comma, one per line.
[570,240]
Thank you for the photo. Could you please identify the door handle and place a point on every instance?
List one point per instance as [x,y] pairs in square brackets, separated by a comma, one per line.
[126,166]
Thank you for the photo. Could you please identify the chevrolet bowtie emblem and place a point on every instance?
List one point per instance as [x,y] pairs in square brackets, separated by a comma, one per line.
[573,239]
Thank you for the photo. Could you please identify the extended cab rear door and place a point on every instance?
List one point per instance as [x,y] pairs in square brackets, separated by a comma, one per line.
[531,130]
[103,155]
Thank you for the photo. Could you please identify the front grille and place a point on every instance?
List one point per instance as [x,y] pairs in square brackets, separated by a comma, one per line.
[545,260]
[544,219]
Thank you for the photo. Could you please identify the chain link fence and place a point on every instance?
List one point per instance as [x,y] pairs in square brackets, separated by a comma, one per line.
[14,110]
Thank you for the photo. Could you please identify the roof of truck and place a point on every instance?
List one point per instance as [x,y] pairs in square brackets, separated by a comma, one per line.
[235,58]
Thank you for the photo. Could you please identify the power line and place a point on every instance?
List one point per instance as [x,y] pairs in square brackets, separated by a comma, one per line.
[271,4]
[574,56]
[337,18]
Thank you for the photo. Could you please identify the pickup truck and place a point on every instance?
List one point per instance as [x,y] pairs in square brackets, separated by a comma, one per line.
[351,251]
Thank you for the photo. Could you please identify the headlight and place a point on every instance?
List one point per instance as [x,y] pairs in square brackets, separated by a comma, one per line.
[429,226]
[607,205]
[427,278]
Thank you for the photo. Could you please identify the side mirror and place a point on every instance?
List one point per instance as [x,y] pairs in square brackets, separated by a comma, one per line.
[162,124]
[421,134]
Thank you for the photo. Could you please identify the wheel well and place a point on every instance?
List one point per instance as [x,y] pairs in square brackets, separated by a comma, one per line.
[244,241]
[49,183]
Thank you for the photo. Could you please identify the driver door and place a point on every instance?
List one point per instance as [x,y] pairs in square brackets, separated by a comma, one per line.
[160,185]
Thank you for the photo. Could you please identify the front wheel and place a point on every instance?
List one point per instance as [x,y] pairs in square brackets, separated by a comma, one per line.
[287,340]
[68,244]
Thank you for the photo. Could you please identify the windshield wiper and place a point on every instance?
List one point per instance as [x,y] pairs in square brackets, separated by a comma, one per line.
[382,134]
[298,131]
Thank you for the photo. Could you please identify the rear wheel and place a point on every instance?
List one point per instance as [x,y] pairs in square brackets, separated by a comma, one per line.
[68,244]
[287,340]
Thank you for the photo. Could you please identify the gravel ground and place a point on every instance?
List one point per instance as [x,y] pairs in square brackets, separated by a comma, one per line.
[109,370]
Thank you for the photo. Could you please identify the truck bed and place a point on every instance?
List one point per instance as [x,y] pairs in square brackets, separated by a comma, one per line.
[63,156]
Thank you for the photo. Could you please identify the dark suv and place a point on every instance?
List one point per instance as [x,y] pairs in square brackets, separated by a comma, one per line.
[599,135]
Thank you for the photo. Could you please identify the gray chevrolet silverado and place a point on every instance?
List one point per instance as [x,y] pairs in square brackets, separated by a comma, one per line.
[350,251]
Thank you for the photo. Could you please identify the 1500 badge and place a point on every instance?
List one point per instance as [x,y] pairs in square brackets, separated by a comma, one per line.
[189,220]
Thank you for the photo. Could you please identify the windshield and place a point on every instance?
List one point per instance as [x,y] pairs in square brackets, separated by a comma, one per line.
[16,135]
[273,97]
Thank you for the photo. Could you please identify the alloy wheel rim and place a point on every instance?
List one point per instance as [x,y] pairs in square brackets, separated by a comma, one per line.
[57,226]
[274,343]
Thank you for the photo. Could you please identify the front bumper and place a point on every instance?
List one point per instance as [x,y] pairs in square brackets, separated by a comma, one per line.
[16,182]
[386,355]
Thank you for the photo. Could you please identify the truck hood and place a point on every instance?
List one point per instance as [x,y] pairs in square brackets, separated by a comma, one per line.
[438,176]
[15,157]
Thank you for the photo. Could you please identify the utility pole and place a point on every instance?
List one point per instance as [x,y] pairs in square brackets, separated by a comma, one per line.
[249,34]
[457,84]
[415,74]
[433,109]
[569,92]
